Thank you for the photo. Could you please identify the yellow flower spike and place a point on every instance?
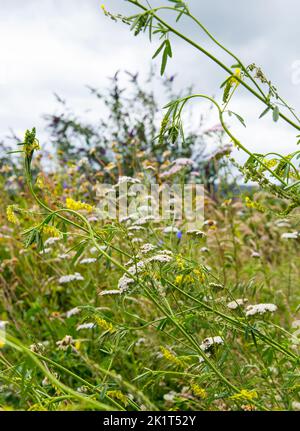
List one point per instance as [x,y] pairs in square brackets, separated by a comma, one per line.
[78,205]
[40,181]
[51,230]
[169,356]
[104,10]
[244,394]
[31,143]
[226,203]
[237,74]
[198,392]
[180,262]
[178,279]
[233,81]
[270,163]
[251,204]
[200,275]
[77,345]
[107,326]
[184,278]
[11,216]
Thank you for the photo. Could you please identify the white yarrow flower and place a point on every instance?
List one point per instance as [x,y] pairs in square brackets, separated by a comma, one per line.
[144,220]
[233,305]
[110,292]
[124,283]
[64,256]
[93,219]
[89,325]
[137,240]
[136,228]
[161,257]
[171,229]
[204,250]
[251,310]
[71,277]
[290,235]
[170,396]
[46,250]
[210,341]
[129,180]
[146,248]
[72,312]
[51,240]
[88,260]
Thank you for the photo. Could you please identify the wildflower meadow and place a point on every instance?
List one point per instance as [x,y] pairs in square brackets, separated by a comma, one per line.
[148,263]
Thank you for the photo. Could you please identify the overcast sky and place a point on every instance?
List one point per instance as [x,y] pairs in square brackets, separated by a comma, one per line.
[61,46]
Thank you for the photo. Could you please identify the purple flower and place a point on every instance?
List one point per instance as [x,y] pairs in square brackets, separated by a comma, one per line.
[179,234]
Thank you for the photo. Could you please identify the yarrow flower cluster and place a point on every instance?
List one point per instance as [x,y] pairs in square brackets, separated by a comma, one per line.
[88,260]
[51,240]
[136,228]
[110,292]
[210,341]
[124,283]
[70,277]
[144,220]
[251,310]
[72,312]
[147,248]
[290,235]
[233,305]
[163,256]
[88,325]
[46,250]
[129,180]
[64,256]
[171,229]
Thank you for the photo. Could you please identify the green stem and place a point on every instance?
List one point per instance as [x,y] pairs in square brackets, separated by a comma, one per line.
[213,58]
[233,138]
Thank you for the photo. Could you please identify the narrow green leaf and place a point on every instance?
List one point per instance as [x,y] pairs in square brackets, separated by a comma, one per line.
[168,48]
[265,112]
[159,49]
[225,82]
[276,113]
[164,61]
[241,119]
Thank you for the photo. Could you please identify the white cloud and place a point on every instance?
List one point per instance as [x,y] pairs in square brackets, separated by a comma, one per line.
[61,46]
